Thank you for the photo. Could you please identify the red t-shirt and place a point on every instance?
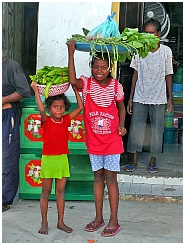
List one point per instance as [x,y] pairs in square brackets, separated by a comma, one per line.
[56,135]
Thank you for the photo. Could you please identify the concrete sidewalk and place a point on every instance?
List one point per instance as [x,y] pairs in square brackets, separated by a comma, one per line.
[168,182]
[150,209]
[142,222]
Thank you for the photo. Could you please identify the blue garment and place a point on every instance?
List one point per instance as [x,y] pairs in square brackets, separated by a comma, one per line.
[10,156]
[13,81]
[109,162]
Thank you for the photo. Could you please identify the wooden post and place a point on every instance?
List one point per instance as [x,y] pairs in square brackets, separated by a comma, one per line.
[116,8]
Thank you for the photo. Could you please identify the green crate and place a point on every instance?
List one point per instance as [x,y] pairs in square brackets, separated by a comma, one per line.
[30,102]
[79,190]
[79,185]
[80,168]
[178,101]
[30,140]
[30,185]
[74,191]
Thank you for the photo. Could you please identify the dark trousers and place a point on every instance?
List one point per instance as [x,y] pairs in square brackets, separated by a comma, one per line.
[10,155]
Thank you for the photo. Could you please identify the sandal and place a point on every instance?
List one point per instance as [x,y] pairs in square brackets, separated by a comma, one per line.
[153,169]
[5,208]
[110,231]
[130,168]
[93,226]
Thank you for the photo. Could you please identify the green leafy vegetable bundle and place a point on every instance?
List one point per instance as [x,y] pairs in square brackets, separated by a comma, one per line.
[131,39]
[50,75]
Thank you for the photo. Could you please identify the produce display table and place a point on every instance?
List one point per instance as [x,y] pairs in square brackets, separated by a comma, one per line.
[79,185]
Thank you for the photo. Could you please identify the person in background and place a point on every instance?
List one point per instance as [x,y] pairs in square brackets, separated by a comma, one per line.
[152,79]
[104,118]
[54,164]
[15,87]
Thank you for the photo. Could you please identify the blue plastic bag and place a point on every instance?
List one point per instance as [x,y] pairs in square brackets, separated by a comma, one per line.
[107,29]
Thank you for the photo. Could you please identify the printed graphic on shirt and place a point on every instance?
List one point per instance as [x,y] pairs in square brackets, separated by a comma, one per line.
[101,122]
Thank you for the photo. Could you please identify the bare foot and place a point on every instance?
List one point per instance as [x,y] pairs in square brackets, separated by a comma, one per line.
[152,162]
[44,229]
[64,228]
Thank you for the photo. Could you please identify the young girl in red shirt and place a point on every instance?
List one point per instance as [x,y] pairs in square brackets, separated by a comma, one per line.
[54,163]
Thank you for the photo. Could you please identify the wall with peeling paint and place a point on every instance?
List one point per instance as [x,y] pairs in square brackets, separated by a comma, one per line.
[57,21]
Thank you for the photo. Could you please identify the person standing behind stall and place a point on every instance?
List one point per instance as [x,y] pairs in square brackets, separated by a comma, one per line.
[15,87]
[104,118]
[54,163]
[151,80]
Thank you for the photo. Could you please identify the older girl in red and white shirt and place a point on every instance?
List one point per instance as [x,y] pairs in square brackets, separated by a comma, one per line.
[104,118]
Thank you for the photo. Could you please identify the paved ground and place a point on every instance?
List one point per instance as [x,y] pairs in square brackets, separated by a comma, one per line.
[170,162]
[150,209]
[142,222]
[167,183]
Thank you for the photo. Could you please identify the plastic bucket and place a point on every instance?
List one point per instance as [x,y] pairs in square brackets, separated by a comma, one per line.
[180,136]
[170,135]
[177,87]
[180,122]
[169,119]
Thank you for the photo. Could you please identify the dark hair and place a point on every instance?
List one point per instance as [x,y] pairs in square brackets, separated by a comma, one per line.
[153,22]
[49,101]
[103,56]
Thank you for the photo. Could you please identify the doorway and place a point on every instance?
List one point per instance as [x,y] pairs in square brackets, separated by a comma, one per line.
[19,34]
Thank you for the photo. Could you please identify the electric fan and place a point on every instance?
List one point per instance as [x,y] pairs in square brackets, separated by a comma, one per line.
[156,10]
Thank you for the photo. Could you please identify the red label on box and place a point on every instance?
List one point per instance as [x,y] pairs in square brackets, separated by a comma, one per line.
[77,130]
[32,173]
[32,127]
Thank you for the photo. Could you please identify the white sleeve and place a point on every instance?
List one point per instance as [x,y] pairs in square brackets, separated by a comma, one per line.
[168,62]
[134,62]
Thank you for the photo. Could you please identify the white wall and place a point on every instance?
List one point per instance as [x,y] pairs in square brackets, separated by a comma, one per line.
[57,21]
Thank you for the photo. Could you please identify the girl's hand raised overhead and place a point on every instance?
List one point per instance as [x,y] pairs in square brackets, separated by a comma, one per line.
[34,86]
[71,46]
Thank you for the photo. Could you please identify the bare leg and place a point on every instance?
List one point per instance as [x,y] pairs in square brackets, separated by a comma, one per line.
[113,192]
[98,195]
[135,159]
[46,190]
[134,163]
[152,162]
[60,186]
[152,166]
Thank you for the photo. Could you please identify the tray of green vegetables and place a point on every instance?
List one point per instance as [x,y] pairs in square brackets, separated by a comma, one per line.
[86,47]
[120,47]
